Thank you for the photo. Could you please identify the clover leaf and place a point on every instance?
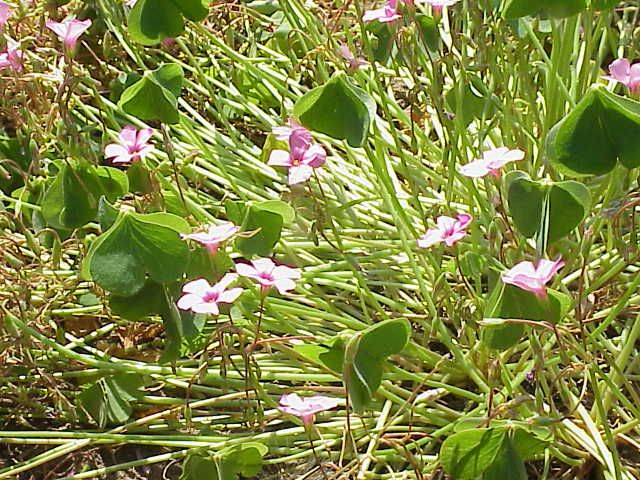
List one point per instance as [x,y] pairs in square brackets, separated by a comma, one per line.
[138,246]
[553,8]
[154,97]
[602,129]
[491,453]
[228,464]
[72,199]
[151,21]
[338,109]
[365,355]
[565,203]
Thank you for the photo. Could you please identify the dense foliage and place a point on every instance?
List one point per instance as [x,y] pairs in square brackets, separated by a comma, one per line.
[288,239]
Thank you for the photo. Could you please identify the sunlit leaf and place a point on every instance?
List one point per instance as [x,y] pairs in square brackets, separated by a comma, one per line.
[602,129]
[338,109]
[553,8]
[155,96]
[134,248]
[467,455]
[71,201]
[511,302]
[108,401]
[151,21]
[569,203]
[365,355]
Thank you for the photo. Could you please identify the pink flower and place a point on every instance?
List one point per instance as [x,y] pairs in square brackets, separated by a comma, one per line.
[5,13]
[69,31]
[388,13]
[132,145]
[130,3]
[449,230]
[214,236]
[354,62]
[302,158]
[533,278]
[491,162]
[284,132]
[268,275]
[306,408]
[12,58]
[200,297]
[622,71]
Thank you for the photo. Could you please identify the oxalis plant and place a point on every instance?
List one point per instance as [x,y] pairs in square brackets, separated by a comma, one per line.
[348,240]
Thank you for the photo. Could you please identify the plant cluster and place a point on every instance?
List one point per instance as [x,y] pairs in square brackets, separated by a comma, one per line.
[229,237]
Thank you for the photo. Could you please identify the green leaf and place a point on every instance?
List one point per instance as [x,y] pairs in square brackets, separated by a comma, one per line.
[507,464]
[228,464]
[267,218]
[525,198]
[244,459]
[71,201]
[467,455]
[604,4]
[382,41]
[183,330]
[568,205]
[511,302]
[108,401]
[338,109]
[10,172]
[365,355]
[197,467]
[149,300]
[151,21]
[429,31]
[193,9]
[553,8]
[107,213]
[602,129]
[283,209]
[137,246]
[472,100]
[155,96]
[141,179]
[288,39]
[203,264]
[531,443]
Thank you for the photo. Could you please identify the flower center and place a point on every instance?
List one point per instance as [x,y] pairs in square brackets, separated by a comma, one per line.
[210,297]
[266,276]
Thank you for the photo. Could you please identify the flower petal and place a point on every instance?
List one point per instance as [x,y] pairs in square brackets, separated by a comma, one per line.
[430,238]
[263,265]
[282,271]
[127,136]
[144,135]
[188,301]
[299,174]
[284,285]
[546,269]
[209,307]
[475,169]
[279,158]
[115,150]
[198,287]
[246,270]
[230,296]
[315,156]
[620,70]
[224,282]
